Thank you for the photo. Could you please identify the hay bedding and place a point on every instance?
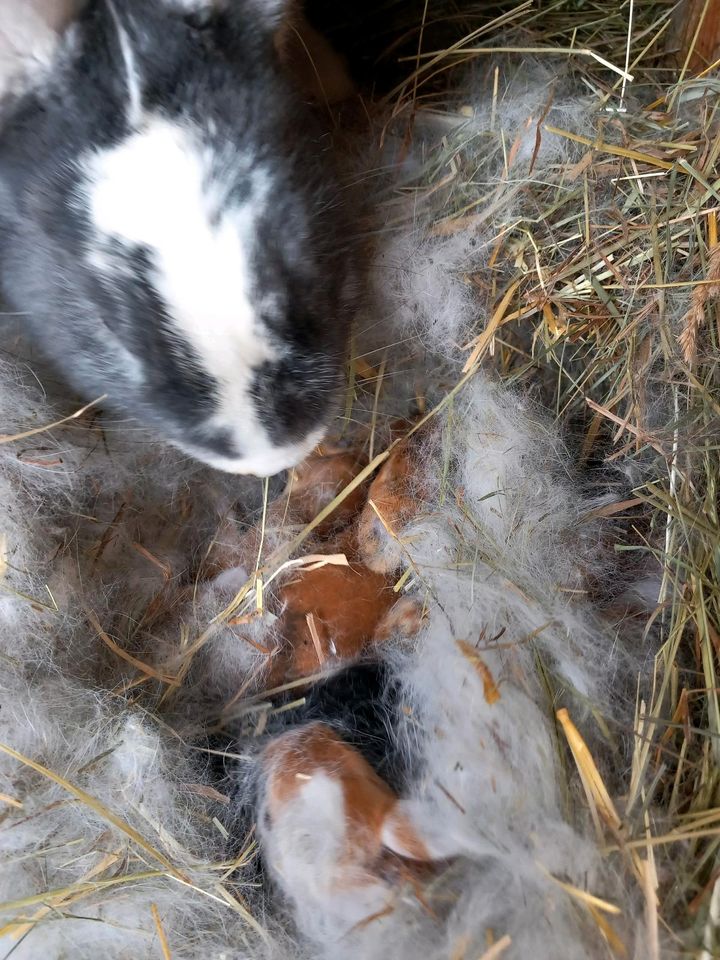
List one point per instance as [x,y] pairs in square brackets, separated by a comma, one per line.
[559,727]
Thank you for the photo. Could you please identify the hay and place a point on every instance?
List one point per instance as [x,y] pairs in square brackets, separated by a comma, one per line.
[593,284]
[601,285]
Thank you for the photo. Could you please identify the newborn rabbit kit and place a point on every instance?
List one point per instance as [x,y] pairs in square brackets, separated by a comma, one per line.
[380,703]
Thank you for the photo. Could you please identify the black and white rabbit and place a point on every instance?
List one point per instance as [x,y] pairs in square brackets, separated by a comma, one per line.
[173,230]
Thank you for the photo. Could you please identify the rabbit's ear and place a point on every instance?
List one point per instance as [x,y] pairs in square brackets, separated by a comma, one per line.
[412,830]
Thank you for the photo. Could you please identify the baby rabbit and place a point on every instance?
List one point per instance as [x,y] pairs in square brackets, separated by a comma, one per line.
[172,229]
[344,830]
[336,838]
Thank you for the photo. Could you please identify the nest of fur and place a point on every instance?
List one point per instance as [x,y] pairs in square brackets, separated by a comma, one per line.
[540,332]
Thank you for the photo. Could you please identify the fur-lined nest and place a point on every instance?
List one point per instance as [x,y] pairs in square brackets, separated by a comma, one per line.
[518,508]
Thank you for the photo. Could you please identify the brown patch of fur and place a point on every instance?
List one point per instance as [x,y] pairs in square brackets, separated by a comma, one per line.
[316,482]
[348,604]
[392,493]
[310,60]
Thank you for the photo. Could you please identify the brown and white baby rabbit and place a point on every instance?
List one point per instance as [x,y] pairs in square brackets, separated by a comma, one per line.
[343,828]
[172,229]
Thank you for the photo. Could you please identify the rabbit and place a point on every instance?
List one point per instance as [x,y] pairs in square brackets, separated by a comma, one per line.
[173,230]
[338,841]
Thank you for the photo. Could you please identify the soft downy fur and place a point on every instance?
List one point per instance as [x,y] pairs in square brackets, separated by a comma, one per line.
[103,533]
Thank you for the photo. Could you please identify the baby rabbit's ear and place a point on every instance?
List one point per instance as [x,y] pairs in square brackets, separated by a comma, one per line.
[413,830]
